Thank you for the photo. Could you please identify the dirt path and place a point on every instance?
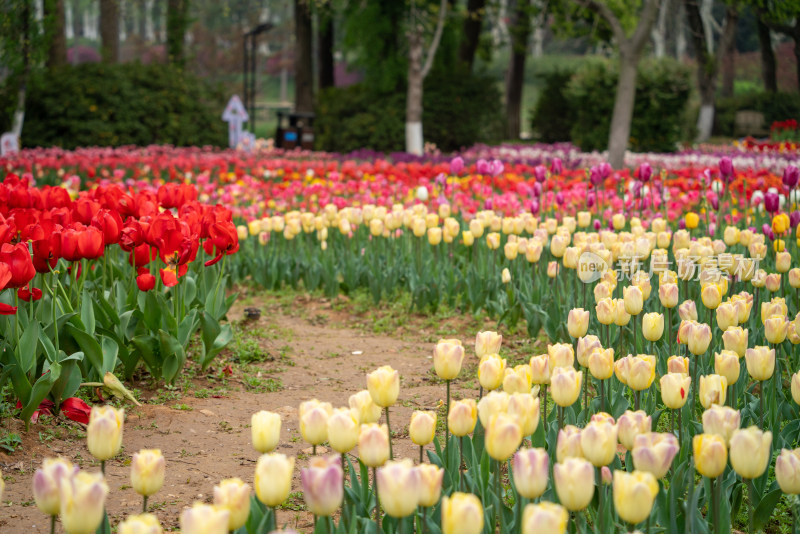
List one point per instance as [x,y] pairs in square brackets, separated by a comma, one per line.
[299,349]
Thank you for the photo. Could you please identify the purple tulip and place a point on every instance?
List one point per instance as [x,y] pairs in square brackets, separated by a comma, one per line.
[483,166]
[487,205]
[597,225]
[794,218]
[556,167]
[765,228]
[537,189]
[456,165]
[714,200]
[560,198]
[605,169]
[534,207]
[772,202]
[497,167]
[726,168]
[595,175]
[441,179]
[590,200]
[791,175]
[712,229]
[540,172]
[682,224]
[645,172]
[322,485]
[637,189]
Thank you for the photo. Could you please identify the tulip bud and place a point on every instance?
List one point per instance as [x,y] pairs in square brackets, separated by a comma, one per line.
[487,343]
[578,322]
[430,484]
[494,403]
[621,316]
[710,455]
[82,499]
[373,444]
[652,326]
[140,524]
[540,369]
[204,519]
[750,451]
[776,328]
[587,345]
[447,359]
[384,386]
[552,269]
[524,407]
[399,487]
[678,364]
[634,494]
[675,390]
[773,282]
[273,480]
[712,390]
[517,379]
[699,338]
[711,296]
[630,424]
[530,468]
[491,371]
[653,452]
[104,432]
[721,421]
[266,431]
[503,437]
[343,430]
[47,483]
[565,385]
[561,355]
[462,417]
[314,420]
[727,316]
[633,299]
[568,444]
[599,442]
[735,339]
[422,428]
[605,311]
[363,408]
[233,495]
[601,363]
[726,363]
[796,387]
[321,481]
[760,362]
[147,472]
[641,371]
[544,517]
[574,481]
[462,513]
[787,471]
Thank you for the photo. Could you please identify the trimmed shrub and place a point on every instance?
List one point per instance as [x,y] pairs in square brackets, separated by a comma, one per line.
[774,106]
[111,105]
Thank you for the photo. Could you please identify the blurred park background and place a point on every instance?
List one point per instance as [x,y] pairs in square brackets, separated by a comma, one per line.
[119,72]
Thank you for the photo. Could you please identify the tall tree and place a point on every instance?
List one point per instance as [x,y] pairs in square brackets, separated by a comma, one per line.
[709,63]
[325,43]
[54,13]
[177,24]
[473,22]
[630,51]
[303,68]
[419,65]
[768,66]
[109,30]
[520,30]
[783,17]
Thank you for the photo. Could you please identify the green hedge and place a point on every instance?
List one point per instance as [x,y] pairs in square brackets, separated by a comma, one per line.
[552,116]
[774,106]
[458,111]
[110,105]
[663,88]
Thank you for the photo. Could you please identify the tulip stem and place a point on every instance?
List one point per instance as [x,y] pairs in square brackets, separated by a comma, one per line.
[389,429]
[446,422]
[717,491]
[751,505]
[680,427]
[461,462]
[421,449]
[695,385]
[144,504]
[545,408]
[636,399]
[586,399]
[377,499]
[600,497]
[499,489]
[669,330]
[103,467]
[52,524]
[560,417]
[602,396]
[761,395]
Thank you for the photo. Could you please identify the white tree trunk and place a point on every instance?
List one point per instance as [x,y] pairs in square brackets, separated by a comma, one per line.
[68,29]
[705,122]
[680,32]
[708,23]
[659,32]
[414,139]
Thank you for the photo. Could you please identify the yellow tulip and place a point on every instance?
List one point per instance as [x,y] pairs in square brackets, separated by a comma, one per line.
[491,404]
[540,369]
[731,236]
[422,428]
[487,343]
[601,291]
[618,221]
[561,355]
[517,379]
[630,424]
[383,385]
[777,306]
[787,471]
[373,444]
[493,240]
[468,238]
[505,276]
[796,387]
[531,471]
[726,363]
[491,371]
[699,338]
[574,482]
[653,326]
[233,495]
[760,362]
[462,417]
[599,442]
[104,432]
[721,421]
[641,372]
[605,311]
[434,236]
[511,250]
[678,364]
[634,494]
[691,219]
[265,430]
[601,363]
[710,455]
[727,316]
[314,420]
[776,328]
[552,269]
[675,390]
[147,471]
[447,359]
[476,228]
[577,322]
[653,452]
[568,443]
[668,295]
[587,345]
[558,246]
[711,296]
[47,483]
[398,487]
[565,385]
[140,524]
[363,408]
[544,517]
[621,316]
[462,513]
[503,437]
[750,451]
[633,299]
[430,488]
[735,339]
[712,389]
[687,310]
[524,407]
[343,430]
[273,480]
[772,282]
[82,500]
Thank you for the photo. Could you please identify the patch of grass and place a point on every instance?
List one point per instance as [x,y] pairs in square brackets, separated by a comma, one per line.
[166,394]
[10,442]
[182,407]
[294,502]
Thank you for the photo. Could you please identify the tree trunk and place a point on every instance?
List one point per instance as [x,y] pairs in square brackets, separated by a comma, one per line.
[325,40]
[520,30]
[77,19]
[22,84]
[620,130]
[728,51]
[177,24]
[473,22]
[414,143]
[659,33]
[303,69]
[142,20]
[705,69]
[57,54]
[796,37]
[109,30]
[768,67]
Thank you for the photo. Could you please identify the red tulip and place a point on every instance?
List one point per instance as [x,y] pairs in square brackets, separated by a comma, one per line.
[146,281]
[76,409]
[5,275]
[6,309]
[46,252]
[28,295]
[141,255]
[19,262]
[169,277]
[110,223]
[222,239]
[90,243]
